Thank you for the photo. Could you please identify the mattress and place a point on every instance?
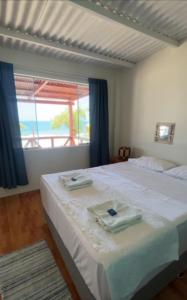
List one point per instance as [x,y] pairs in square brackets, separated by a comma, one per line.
[163,200]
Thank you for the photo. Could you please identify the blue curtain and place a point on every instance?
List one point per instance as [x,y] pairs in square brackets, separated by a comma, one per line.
[99,124]
[12,165]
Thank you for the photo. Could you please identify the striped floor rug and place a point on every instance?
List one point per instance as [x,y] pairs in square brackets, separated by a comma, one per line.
[32,274]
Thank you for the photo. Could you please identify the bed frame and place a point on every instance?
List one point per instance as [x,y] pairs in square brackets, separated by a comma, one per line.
[153,287]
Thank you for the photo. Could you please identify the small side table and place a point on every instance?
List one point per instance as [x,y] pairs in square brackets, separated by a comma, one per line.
[117,159]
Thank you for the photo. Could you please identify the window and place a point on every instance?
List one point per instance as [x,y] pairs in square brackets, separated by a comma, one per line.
[52,113]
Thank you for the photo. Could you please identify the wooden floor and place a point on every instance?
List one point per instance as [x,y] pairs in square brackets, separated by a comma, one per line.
[22,223]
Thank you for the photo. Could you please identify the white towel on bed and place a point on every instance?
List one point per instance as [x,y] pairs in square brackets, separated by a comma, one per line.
[75,181]
[125,216]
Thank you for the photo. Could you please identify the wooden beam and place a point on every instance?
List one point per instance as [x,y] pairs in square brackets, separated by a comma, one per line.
[58,89]
[55,83]
[51,94]
[51,88]
[39,88]
[71,126]
[62,96]
[34,40]
[102,12]
[45,102]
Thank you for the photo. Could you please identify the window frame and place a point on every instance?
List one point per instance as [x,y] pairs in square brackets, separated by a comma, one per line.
[56,79]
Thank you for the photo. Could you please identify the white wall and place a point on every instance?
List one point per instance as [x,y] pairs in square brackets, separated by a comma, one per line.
[53,160]
[156,91]
[44,161]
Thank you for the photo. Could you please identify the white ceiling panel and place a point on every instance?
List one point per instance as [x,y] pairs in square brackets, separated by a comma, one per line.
[71,25]
[166,16]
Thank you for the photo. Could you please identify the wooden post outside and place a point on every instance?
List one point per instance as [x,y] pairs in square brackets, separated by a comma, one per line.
[71,125]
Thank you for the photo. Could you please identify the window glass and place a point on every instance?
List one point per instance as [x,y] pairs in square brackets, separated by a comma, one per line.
[52,113]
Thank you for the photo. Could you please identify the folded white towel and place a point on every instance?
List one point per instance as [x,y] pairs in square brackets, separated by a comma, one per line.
[75,181]
[125,216]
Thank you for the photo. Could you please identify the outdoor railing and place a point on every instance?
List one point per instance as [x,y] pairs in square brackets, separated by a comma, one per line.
[49,141]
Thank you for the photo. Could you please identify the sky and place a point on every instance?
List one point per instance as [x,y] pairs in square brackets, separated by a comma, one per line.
[45,112]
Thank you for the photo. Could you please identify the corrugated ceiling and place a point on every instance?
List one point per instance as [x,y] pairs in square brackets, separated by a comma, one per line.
[64,22]
[166,16]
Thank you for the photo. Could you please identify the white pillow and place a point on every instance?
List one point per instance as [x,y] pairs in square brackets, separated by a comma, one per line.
[178,172]
[153,163]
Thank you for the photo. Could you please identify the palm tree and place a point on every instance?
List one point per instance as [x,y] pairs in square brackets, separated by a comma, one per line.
[22,126]
[80,116]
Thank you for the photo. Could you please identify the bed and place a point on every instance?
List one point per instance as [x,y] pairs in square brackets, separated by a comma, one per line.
[135,263]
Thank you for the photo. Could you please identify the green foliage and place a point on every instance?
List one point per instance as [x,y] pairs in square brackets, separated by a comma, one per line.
[63,119]
[22,126]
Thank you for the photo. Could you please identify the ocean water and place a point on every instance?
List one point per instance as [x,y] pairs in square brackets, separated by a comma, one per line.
[42,128]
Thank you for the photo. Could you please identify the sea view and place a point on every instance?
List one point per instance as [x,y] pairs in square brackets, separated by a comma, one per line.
[41,128]
[45,134]
[46,125]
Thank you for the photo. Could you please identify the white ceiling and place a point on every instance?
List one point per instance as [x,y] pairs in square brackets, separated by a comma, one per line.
[98,33]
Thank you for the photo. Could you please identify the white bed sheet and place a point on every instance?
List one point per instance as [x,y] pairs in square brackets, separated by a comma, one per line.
[172,194]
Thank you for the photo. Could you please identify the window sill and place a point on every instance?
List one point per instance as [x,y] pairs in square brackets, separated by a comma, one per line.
[56,148]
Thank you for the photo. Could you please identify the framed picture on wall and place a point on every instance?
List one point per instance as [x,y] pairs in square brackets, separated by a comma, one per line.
[164,132]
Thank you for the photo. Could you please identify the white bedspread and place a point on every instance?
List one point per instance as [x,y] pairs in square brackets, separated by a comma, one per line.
[120,261]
